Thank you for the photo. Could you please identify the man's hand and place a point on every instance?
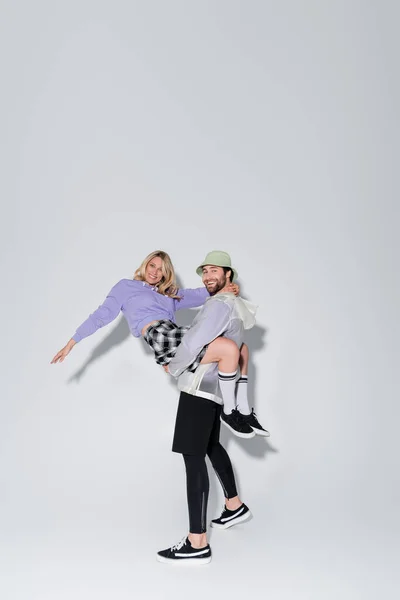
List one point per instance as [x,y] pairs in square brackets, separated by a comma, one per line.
[165,367]
[233,287]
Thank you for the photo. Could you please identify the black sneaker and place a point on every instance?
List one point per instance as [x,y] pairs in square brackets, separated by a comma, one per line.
[229,518]
[252,420]
[236,424]
[183,552]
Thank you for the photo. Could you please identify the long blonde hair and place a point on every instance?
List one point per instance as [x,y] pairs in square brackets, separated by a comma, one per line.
[167,285]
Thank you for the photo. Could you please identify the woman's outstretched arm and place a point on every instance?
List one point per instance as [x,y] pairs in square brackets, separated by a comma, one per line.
[103,315]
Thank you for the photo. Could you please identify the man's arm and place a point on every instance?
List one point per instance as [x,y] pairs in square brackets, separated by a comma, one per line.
[212,321]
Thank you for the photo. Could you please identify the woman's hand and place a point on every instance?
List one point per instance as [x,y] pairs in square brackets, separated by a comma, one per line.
[59,357]
[165,367]
[233,287]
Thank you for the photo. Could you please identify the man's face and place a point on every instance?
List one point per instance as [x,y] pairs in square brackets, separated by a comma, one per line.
[214,278]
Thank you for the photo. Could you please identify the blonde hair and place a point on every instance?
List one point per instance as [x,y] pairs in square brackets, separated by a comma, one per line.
[167,285]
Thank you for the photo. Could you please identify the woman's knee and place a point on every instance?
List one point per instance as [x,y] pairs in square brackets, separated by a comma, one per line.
[225,348]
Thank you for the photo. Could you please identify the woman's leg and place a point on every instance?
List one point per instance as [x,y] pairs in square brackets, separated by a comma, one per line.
[244,360]
[242,402]
[241,395]
[226,353]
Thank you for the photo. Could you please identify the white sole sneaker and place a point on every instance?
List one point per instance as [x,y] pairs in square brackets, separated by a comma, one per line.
[231,523]
[261,432]
[238,433]
[186,561]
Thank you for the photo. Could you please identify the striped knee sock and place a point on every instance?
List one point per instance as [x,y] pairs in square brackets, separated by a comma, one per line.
[241,396]
[227,383]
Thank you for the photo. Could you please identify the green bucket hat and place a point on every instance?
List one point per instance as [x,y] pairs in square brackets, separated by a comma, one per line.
[217,258]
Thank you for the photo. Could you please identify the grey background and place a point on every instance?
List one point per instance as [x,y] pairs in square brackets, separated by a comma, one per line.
[270,130]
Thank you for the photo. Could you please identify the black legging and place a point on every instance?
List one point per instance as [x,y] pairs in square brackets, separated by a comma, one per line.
[198,484]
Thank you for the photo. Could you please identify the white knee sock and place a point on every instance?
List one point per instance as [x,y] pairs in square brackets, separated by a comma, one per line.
[227,383]
[241,396]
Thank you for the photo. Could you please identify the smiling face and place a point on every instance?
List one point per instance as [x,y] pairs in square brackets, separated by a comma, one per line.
[214,278]
[154,271]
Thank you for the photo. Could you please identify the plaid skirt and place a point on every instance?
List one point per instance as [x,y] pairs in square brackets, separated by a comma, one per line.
[164,338]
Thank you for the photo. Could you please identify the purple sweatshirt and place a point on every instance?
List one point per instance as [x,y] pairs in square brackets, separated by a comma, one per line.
[140,304]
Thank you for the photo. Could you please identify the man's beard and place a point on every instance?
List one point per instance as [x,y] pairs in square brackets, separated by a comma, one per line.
[220,284]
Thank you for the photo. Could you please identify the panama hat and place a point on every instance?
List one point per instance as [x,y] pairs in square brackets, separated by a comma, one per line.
[218,258]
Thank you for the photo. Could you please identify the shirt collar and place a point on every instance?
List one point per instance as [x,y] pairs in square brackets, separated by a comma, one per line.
[155,288]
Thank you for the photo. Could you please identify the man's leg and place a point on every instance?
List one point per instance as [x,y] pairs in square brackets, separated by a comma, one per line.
[235,510]
[193,548]
[196,419]
[197,486]
[223,468]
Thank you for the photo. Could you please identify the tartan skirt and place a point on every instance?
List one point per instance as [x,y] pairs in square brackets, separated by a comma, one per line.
[164,338]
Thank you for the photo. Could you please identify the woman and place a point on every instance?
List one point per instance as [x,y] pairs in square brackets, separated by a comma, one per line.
[149,302]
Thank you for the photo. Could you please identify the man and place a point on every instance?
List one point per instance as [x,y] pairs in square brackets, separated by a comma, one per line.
[199,414]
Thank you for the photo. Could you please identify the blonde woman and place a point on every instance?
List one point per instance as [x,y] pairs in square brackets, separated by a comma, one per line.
[149,302]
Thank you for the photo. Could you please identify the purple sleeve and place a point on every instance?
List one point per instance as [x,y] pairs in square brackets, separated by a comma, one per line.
[191,298]
[107,312]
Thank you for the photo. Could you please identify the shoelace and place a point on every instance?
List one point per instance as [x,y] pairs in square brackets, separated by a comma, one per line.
[250,416]
[257,421]
[258,424]
[179,545]
[225,509]
[236,415]
[242,419]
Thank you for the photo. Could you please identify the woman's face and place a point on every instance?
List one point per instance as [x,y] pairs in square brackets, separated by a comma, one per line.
[153,273]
